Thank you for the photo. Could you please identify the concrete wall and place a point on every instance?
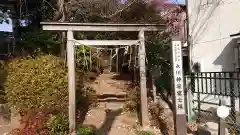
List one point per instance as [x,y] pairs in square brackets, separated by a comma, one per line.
[211,22]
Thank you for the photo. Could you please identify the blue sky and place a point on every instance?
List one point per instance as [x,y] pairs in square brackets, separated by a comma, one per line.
[178,1]
[6,27]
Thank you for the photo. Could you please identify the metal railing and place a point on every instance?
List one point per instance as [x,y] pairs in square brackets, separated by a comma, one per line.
[216,83]
[220,86]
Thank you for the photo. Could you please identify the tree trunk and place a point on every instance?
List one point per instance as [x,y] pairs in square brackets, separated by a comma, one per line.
[63,47]
[62,15]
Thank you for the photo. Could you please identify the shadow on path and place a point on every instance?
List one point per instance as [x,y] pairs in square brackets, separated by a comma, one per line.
[108,122]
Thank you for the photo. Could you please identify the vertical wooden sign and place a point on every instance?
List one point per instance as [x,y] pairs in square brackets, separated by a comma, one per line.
[180,112]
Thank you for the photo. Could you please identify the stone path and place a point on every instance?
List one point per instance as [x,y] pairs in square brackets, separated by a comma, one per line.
[112,123]
[108,117]
[8,127]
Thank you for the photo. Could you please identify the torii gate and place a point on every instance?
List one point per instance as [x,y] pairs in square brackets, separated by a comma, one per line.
[71,27]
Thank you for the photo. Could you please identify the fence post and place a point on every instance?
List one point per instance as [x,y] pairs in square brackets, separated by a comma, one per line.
[198,100]
[232,101]
[117,60]
[221,128]
[189,100]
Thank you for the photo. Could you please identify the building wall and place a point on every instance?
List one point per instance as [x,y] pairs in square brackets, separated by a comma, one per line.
[183,25]
[210,24]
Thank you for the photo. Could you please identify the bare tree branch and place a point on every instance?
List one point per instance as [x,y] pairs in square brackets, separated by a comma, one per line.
[119,11]
[44,1]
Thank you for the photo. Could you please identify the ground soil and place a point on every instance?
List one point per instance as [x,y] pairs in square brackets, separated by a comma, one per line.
[108,117]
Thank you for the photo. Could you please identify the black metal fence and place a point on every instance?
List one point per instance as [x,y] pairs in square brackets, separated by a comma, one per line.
[218,85]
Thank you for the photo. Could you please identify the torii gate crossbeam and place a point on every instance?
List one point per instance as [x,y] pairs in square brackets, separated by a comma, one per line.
[97,27]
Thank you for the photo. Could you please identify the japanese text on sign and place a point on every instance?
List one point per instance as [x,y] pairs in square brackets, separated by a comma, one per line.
[178,77]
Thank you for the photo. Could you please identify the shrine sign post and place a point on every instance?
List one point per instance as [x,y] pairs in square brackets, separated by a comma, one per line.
[180,112]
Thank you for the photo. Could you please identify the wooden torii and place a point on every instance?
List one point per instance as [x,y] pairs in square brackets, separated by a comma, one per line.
[97,27]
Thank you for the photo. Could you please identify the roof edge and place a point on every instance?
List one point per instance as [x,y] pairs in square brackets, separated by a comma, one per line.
[98,24]
[235,35]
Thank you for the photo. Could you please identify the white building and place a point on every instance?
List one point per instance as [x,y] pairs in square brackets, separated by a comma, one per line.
[211,22]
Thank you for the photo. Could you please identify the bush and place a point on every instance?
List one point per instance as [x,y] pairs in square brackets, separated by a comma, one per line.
[145,133]
[84,131]
[133,104]
[86,58]
[58,124]
[41,83]
[2,78]
[34,40]
[161,118]
[38,83]
[33,124]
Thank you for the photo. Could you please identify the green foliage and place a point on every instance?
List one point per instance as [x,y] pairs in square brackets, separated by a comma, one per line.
[2,71]
[145,133]
[86,58]
[32,124]
[35,40]
[85,98]
[3,18]
[84,131]
[2,63]
[3,74]
[38,83]
[133,104]
[58,124]
[158,51]
[159,119]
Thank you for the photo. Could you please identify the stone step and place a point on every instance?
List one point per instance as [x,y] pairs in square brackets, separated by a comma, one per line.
[112,100]
[111,95]
[111,105]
